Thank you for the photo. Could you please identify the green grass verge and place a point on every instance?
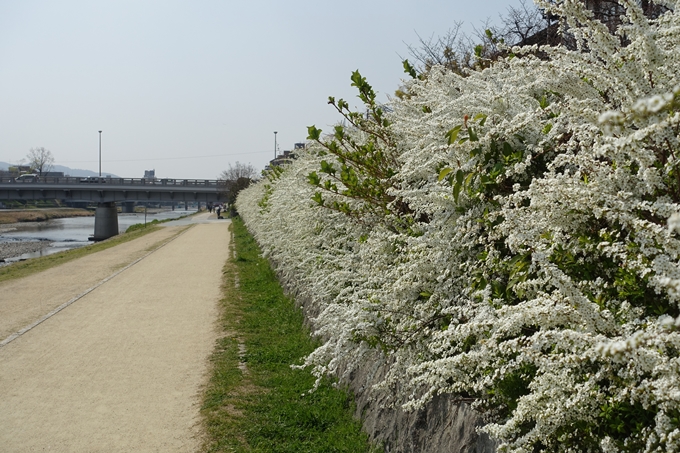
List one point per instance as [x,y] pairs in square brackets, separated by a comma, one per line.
[35,265]
[268,407]
[154,222]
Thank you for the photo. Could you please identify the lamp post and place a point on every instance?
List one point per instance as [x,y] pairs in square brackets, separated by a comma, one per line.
[275,132]
[100,154]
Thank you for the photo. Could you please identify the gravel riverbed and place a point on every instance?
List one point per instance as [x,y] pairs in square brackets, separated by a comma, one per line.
[14,249]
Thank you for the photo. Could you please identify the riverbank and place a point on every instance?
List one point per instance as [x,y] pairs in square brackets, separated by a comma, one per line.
[9,220]
[40,215]
[14,249]
[66,230]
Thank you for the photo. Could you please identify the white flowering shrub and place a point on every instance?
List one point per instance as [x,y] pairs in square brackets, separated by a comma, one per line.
[509,238]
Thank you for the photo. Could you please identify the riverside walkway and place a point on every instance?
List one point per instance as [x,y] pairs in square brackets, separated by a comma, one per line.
[120,366]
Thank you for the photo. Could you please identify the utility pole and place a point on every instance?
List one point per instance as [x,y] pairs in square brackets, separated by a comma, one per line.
[100,154]
[275,132]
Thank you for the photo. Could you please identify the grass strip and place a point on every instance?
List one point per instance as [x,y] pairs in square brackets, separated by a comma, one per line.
[35,265]
[266,406]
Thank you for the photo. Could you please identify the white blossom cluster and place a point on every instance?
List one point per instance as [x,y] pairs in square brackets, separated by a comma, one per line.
[539,276]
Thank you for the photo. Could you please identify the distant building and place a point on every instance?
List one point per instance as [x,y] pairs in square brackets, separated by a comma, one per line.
[150,174]
[287,156]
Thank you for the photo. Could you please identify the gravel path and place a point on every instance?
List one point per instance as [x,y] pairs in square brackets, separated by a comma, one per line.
[120,369]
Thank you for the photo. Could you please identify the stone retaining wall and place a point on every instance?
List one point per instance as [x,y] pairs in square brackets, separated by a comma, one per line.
[442,426]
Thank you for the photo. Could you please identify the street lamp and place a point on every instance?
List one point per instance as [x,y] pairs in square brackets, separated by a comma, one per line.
[275,132]
[100,154]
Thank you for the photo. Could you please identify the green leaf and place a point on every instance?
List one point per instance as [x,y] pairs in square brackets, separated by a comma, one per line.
[479,282]
[459,176]
[498,289]
[318,198]
[472,134]
[456,191]
[452,135]
[410,70]
[327,168]
[468,179]
[547,128]
[339,132]
[478,50]
[443,173]
[480,116]
[497,169]
[313,178]
[313,133]
[507,149]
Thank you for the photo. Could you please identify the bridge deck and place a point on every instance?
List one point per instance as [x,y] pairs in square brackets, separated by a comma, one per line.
[103,190]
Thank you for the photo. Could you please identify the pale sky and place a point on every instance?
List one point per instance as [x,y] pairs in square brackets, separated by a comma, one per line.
[187,87]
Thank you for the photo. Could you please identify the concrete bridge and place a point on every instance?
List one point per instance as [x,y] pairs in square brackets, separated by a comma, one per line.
[107,191]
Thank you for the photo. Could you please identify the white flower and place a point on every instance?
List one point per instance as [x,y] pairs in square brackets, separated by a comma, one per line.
[674,223]
[560,275]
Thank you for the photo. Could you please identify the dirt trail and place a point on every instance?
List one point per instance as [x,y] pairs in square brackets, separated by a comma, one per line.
[118,370]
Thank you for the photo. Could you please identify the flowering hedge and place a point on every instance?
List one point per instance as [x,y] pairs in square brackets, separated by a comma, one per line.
[509,237]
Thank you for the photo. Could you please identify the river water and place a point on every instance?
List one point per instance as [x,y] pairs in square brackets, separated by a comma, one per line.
[70,233]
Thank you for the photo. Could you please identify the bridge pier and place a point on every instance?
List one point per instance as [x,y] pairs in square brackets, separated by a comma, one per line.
[128,207]
[105,221]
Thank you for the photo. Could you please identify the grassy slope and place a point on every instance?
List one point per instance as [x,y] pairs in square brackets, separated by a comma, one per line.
[268,408]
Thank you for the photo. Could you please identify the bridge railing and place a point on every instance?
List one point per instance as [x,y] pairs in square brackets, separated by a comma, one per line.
[70,180]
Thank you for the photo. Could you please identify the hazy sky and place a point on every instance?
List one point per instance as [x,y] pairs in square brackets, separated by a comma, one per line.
[186,87]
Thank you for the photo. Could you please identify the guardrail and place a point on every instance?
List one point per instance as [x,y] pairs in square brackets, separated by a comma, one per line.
[70,180]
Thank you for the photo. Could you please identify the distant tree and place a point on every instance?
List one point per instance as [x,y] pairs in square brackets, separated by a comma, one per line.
[452,50]
[40,160]
[237,177]
[238,170]
[526,24]
[460,53]
[519,24]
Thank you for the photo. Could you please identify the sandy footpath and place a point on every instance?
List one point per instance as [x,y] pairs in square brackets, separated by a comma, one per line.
[120,369]
[26,299]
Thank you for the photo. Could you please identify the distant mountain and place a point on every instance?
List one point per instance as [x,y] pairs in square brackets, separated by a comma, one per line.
[67,170]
